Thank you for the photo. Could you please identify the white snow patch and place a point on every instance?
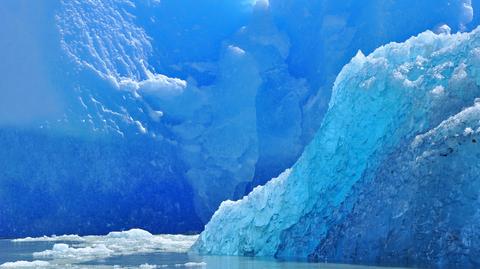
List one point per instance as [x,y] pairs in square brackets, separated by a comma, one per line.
[236,50]
[157,85]
[140,127]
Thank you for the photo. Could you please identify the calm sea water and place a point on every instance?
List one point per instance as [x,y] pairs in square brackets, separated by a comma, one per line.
[23,251]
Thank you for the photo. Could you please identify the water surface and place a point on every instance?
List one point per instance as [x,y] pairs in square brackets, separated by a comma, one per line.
[131,249]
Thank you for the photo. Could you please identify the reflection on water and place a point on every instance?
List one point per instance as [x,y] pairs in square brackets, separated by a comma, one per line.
[23,251]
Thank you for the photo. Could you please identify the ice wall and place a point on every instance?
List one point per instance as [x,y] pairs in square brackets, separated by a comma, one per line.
[184,103]
[390,178]
[323,36]
[80,154]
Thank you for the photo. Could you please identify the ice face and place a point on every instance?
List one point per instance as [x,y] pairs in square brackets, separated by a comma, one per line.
[123,113]
[391,175]
[312,41]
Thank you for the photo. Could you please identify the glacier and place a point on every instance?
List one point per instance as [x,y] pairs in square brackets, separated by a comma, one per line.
[391,176]
[117,114]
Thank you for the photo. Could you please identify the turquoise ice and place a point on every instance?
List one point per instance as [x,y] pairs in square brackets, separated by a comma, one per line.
[391,175]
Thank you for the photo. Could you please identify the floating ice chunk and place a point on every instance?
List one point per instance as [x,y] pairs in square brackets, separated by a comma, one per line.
[195,264]
[135,234]
[147,266]
[191,264]
[55,238]
[25,264]
[113,244]
[64,251]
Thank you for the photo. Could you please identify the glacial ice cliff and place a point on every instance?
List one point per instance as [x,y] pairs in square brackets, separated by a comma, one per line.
[142,113]
[391,177]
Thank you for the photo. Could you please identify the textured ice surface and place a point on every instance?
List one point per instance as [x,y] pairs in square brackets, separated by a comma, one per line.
[301,46]
[80,154]
[391,176]
[139,113]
